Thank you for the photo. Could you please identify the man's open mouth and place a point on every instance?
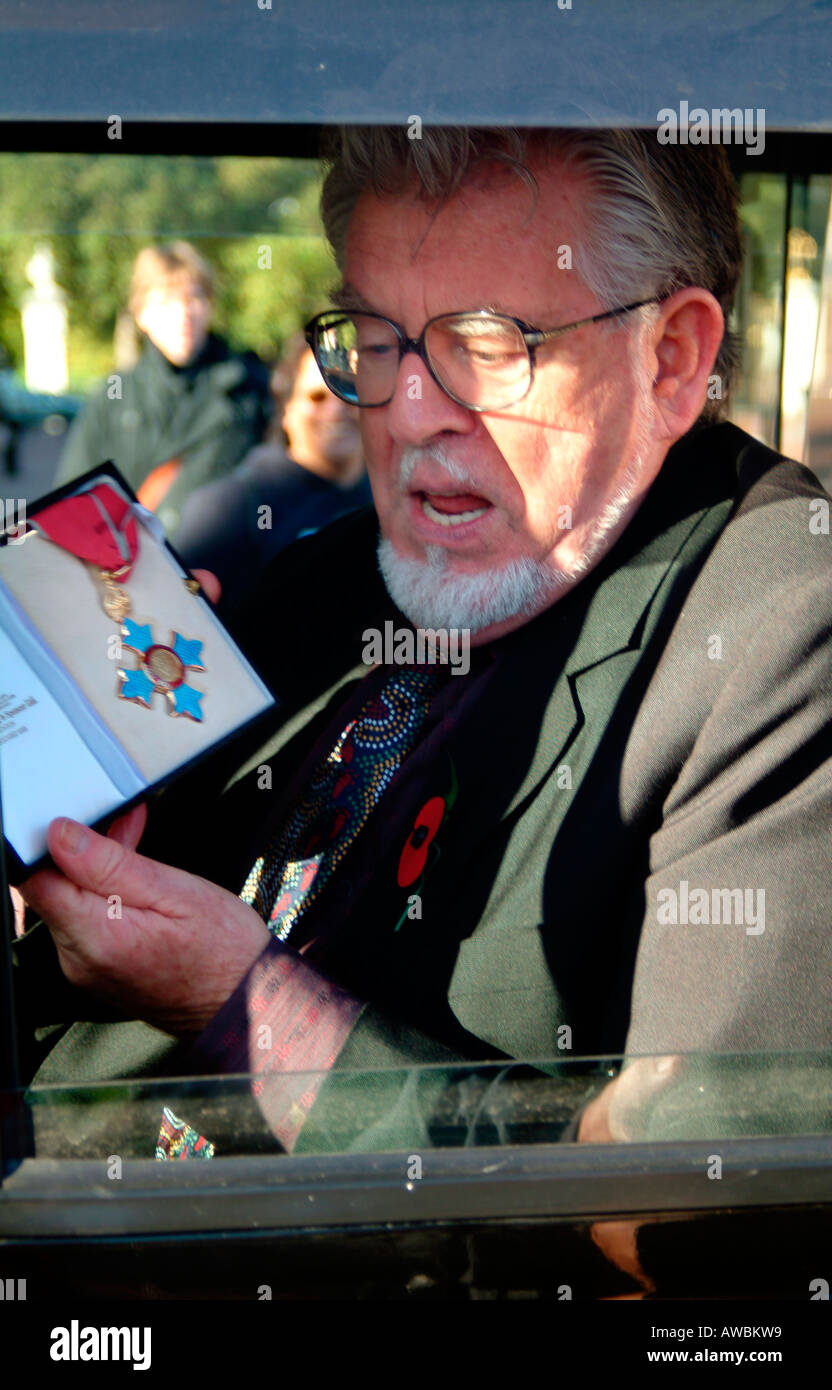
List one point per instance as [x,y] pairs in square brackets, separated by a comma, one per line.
[454,509]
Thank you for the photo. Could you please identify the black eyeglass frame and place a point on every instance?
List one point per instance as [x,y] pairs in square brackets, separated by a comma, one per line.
[532,337]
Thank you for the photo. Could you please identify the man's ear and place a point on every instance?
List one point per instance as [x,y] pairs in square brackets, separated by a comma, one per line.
[687,336]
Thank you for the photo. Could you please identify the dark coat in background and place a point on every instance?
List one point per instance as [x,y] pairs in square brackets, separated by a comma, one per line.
[235,526]
[207,415]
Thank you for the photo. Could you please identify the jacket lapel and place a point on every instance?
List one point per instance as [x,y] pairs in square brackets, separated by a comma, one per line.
[585,655]
[601,643]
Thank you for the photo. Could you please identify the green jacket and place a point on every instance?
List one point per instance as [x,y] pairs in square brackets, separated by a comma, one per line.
[666,722]
[208,414]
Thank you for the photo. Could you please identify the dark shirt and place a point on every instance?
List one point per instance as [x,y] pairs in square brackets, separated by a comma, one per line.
[236,525]
[309,1017]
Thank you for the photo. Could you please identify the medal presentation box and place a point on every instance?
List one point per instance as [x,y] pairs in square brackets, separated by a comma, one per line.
[114,674]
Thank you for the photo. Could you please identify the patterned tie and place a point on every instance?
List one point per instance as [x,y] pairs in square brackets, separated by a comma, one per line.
[345,787]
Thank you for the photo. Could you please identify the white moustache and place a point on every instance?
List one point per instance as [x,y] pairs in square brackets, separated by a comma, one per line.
[411,457]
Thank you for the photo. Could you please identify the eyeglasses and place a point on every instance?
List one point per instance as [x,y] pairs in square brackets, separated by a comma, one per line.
[483,361]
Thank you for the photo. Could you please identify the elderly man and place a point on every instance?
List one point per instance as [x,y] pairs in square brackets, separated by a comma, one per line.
[611,834]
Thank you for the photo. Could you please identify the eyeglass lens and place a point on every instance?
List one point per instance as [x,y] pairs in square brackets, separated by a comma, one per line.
[481,360]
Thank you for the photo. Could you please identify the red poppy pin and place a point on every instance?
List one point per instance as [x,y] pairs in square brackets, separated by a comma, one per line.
[414,856]
[415,853]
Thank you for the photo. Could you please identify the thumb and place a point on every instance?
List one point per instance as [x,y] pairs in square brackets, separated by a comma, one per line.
[104,866]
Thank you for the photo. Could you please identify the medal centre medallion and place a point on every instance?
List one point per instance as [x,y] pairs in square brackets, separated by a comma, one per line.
[166,668]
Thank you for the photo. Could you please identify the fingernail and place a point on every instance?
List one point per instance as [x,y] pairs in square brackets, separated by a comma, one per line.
[73,837]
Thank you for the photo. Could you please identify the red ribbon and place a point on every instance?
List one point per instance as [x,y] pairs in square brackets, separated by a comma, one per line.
[90,526]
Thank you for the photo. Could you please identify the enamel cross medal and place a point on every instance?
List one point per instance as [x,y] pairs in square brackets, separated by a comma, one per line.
[161,670]
[99,526]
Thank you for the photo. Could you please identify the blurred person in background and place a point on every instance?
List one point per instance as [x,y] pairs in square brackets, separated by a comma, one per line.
[190,409]
[309,473]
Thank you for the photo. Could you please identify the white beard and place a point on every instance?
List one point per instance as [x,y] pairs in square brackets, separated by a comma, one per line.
[432,598]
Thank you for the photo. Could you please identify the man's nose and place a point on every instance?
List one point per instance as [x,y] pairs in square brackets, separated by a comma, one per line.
[420,409]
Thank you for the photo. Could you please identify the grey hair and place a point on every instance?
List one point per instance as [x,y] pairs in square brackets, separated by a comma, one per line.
[658,217]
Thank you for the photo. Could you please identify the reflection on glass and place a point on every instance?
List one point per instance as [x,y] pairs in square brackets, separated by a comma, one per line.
[652,1099]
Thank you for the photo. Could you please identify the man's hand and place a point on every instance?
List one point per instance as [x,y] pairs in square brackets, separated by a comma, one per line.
[209,584]
[158,943]
[618,1115]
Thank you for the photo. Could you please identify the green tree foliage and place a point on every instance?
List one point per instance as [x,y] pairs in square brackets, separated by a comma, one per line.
[97,211]
[261,305]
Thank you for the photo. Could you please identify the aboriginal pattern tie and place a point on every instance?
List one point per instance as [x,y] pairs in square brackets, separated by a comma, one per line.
[312,841]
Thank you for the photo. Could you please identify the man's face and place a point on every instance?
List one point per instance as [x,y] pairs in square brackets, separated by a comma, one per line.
[531,482]
[323,431]
[175,316]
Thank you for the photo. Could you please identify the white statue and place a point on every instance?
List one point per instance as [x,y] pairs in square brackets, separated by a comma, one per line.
[44,325]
